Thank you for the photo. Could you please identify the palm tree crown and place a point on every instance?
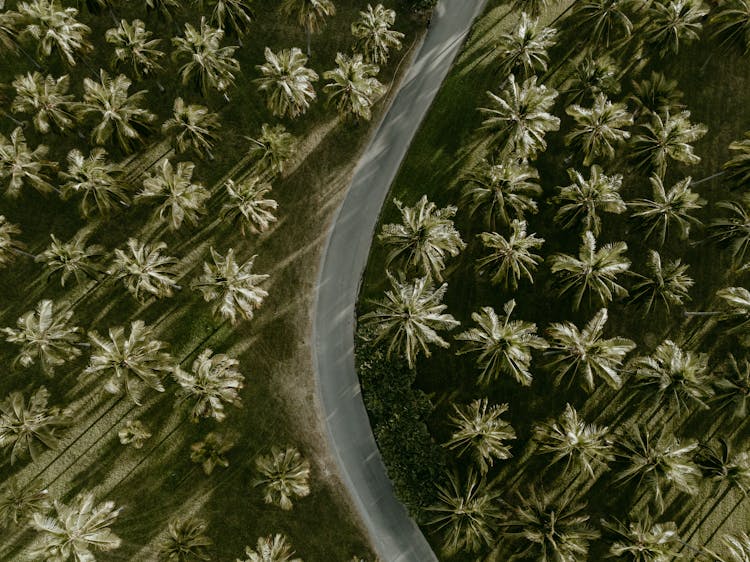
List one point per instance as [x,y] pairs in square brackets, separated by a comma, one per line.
[47,99]
[731,25]
[248,204]
[179,198]
[732,388]
[373,34]
[73,257]
[510,258]
[354,86]
[212,382]
[134,48]
[583,199]
[272,149]
[22,166]
[8,244]
[663,285]
[284,475]
[211,452]
[144,270]
[525,47]
[96,180]
[233,15]
[55,28]
[733,231]
[310,15]
[194,126]
[603,21]
[643,540]
[599,128]
[672,22]
[737,169]
[287,82]
[186,541]
[273,548]
[18,503]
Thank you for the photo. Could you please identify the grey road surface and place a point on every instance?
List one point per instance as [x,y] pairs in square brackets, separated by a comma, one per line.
[394,534]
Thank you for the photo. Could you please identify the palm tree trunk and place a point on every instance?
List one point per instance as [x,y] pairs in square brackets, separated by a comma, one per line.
[308,33]
[21,252]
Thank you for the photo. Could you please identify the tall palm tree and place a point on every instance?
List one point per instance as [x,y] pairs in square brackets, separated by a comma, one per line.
[510,258]
[234,288]
[75,529]
[582,200]
[310,15]
[212,382]
[663,285]
[193,126]
[584,353]
[287,82]
[55,28]
[273,548]
[504,345]
[18,503]
[594,273]
[737,169]
[230,15]
[207,64]
[719,464]
[733,230]
[479,430]
[186,541]
[120,114]
[523,50]
[211,452]
[656,94]
[248,204]
[519,117]
[179,198]
[144,270]
[593,76]
[73,257]
[731,25]
[45,335]
[354,86]
[668,208]
[47,99]
[284,476]
[9,246]
[642,540]
[133,432]
[22,166]
[732,388]
[129,363]
[599,128]
[424,238]
[603,22]
[373,35]
[134,48]
[409,318]
[673,22]
[96,181]
[271,149]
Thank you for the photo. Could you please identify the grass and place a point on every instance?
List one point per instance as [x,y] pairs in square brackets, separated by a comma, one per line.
[159,482]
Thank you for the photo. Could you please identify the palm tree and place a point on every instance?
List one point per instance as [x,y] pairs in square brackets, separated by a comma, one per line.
[178,197]
[272,149]
[737,300]
[423,239]
[186,541]
[22,166]
[47,99]
[144,270]
[119,112]
[664,138]
[193,126]
[583,199]
[213,382]
[55,29]
[18,503]
[75,529]
[208,65]
[739,548]
[409,318]
[584,353]
[504,347]
[663,285]
[466,512]
[284,475]
[732,388]
[668,208]
[96,180]
[373,35]
[248,204]
[9,246]
[737,169]
[480,431]
[211,452]
[287,82]
[134,48]
[29,428]
[602,22]
[10,23]
[133,432]
[599,128]
[657,95]
[310,15]
[733,231]
[642,540]
[533,7]
[732,24]
[593,76]
[594,273]
[519,118]
[73,257]
[164,7]
[579,443]
[510,258]
[273,548]
[131,362]
[234,288]
[671,22]
[354,86]
[720,465]
[524,48]
[233,15]
[45,335]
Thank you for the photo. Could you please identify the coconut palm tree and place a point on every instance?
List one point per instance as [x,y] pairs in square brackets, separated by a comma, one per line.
[130,363]
[163,7]
[519,117]
[95,180]
[284,476]
[732,388]
[353,86]
[272,149]
[133,432]
[731,25]
[570,438]
[22,166]
[593,76]
[584,353]
[179,198]
[719,464]
[737,169]
[504,345]
[18,503]
[10,24]
[423,239]
[663,285]
[273,548]
[211,452]
[594,273]
[234,288]
[523,50]
[510,258]
[737,300]
[582,200]
[212,382]
[186,541]
[466,512]
[144,270]
[479,430]
[310,15]
[248,204]
[134,48]
[533,7]
[656,94]
[603,22]
[599,128]
[47,99]
[733,230]
[230,15]
[674,22]
[193,126]
[119,112]
[208,65]
[75,529]
[9,246]
[642,540]
[28,428]
[55,28]
[45,335]
[287,82]
[668,208]
[739,548]
[373,35]
[73,257]
[409,318]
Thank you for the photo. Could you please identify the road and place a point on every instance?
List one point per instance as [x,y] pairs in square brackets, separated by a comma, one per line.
[393,533]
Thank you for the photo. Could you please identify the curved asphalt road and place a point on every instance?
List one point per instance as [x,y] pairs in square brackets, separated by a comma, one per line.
[393,533]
